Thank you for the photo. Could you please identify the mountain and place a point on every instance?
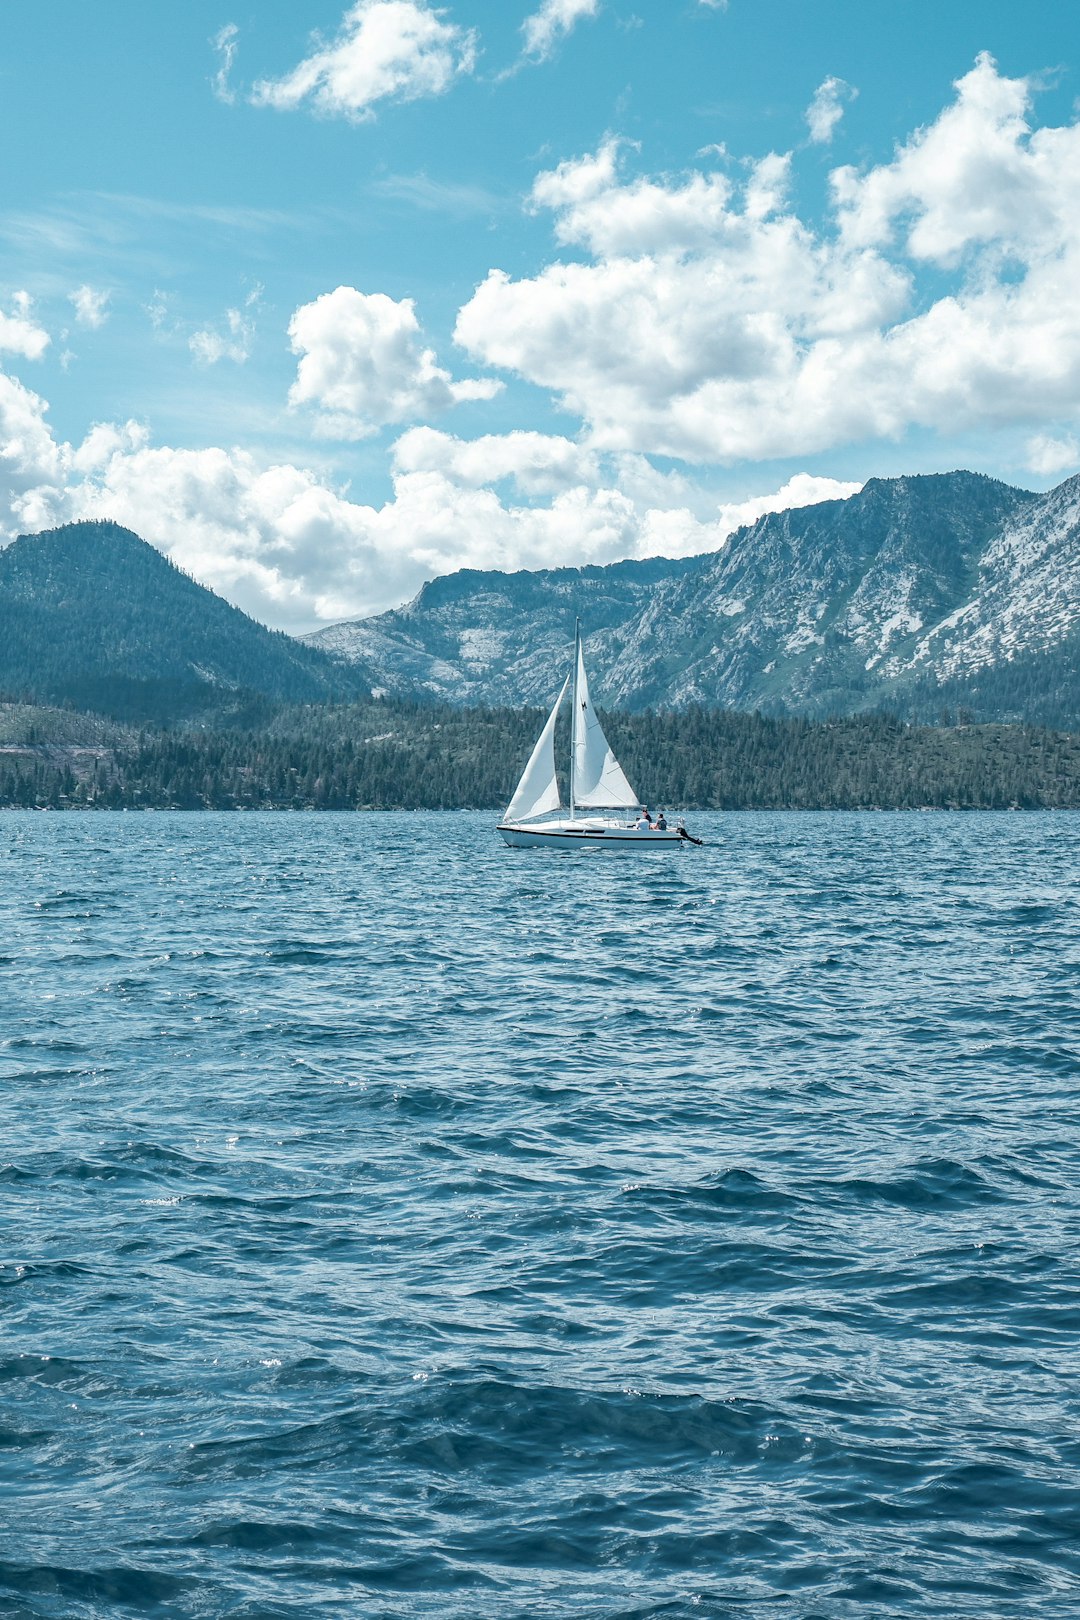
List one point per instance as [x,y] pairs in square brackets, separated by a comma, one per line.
[951,593]
[92,615]
[917,592]
[488,638]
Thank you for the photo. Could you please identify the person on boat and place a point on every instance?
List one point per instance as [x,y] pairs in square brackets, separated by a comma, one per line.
[660,824]
[644,821]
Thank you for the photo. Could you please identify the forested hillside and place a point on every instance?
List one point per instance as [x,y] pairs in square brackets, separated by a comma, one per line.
[400,755]
[92,615]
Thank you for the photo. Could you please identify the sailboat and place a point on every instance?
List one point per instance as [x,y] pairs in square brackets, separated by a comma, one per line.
[597,782]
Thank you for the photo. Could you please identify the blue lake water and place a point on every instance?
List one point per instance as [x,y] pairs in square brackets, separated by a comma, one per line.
[395,1224]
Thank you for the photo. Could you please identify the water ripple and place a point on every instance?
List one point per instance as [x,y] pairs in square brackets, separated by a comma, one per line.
[398,1225]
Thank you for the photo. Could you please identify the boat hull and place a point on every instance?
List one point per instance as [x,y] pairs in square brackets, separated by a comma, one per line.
[576,835]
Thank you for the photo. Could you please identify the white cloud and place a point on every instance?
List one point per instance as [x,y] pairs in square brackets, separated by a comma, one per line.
[697,316]
[386,49]
[683,337]
[975,178]
[31,465]
[231,342]
[592,207]
[211,344]
[224,43]
[803,489]
[554,20]
[536,463]
[91,306]
[287,546]
[712,323]
[105,441]
[19,334]
[363,364]
[1049,457]
[827,109]
[158,309]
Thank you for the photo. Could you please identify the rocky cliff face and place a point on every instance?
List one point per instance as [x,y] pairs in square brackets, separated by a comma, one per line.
[841,606]
[490,638]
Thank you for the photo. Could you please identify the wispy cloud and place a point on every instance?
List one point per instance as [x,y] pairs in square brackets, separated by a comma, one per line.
[62,231]
[158,309]
[237,216]
[224,43]
[231,340]
[438,196]
[108,231]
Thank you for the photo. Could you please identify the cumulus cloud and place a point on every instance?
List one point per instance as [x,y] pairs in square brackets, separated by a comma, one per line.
[31,464]
[711,323]
[1050,457]
[536,463]
[827,109]
[683,337]
[19,334]
[803,489]
[363,363]
[105,441]
[398,50]
[554,20]
[224,43]
[91,306]
[592,207]
[287,545]
[977,176]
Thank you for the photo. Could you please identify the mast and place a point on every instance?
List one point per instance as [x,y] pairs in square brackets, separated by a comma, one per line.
[573,710]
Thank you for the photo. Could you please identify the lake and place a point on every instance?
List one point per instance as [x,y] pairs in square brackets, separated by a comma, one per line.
[401,1225]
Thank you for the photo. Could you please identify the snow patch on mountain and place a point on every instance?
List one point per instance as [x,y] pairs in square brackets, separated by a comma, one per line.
[819,609]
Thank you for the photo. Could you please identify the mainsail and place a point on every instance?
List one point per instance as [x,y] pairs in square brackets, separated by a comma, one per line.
[598,778]
[538,790]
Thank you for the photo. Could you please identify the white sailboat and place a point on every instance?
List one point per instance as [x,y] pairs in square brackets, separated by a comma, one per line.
[597,782]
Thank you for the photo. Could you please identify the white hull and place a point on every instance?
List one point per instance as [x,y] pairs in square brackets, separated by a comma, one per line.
[575,834]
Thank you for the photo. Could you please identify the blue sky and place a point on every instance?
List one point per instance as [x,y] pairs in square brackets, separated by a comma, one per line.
[325,300]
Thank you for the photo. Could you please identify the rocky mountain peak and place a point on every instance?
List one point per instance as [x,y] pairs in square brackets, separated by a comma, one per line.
[912,582]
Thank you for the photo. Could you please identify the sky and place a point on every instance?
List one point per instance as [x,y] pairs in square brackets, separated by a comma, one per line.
[327,299]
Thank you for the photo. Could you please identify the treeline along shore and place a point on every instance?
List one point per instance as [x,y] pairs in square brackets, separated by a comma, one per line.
[392,754]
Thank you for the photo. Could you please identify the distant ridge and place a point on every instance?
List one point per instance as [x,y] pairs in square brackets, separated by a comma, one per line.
[92,615]
[943,596]
[915,594]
